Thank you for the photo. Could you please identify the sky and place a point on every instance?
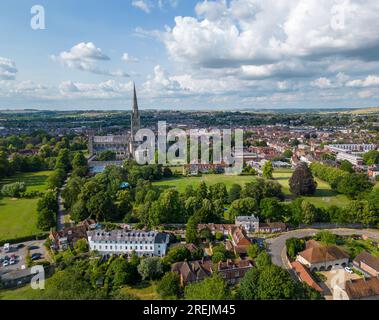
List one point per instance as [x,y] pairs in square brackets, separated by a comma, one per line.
[189,54]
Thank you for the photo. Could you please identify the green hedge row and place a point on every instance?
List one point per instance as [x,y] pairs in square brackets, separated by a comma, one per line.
[40,236]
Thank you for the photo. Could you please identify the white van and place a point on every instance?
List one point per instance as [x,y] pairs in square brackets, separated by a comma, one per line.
[6,247]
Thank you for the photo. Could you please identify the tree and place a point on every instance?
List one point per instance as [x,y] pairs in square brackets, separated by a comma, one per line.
[253,250]
[191,230]
[45,219]
[120,272]
[371,157]
[242,207]
[81,246]
[234,192]
[263,260]
[212,288]
[202,191]
[302,182]
[63,160]
[218,192]
[275,283]
[354,184]
[309,212]
[294,246]
[326,237]
[177,254]
[56,179]
[346,166]
[267,170]
[151,268]
[79,211]
[271,209]
[169,285]
[288,153]
[79,160]
[248,289]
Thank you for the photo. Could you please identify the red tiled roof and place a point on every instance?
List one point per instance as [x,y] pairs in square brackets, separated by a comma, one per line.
[305,275]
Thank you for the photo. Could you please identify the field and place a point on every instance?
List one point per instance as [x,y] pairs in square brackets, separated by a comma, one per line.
[18,217]
[324,196]
[144,291]
[23,293]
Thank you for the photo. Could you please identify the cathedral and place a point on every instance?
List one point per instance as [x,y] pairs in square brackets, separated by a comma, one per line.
[123,146]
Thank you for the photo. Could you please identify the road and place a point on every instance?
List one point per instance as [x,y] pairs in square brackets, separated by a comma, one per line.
[63,217]
[277,246]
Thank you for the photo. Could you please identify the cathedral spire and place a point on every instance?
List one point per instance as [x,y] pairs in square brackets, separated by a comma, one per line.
[135,102]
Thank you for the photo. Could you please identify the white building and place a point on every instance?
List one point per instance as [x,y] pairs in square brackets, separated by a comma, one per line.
[249,223]
[353,159]
[144,243]
[351,147]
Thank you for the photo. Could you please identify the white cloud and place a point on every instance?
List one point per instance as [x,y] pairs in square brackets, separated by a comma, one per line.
[251,32]
[85,57]
[321,83]
[8,69]
[369,81]
[144,5]
[128,58]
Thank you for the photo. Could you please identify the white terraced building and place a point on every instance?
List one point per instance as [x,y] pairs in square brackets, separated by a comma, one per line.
[144,243]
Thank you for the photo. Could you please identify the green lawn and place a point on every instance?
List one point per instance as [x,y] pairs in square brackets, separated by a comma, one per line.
[324,196]
[35,181]
[18,217]
[23,293]
[143,291]
[180,183]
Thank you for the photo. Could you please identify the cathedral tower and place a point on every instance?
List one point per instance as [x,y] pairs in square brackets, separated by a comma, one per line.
[135,121]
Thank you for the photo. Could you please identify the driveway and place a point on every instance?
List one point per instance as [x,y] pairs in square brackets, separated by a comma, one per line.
[277,246]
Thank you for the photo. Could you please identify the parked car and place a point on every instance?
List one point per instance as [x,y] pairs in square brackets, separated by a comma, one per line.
[5,263]
[36,256]
[12,261]
[348,270]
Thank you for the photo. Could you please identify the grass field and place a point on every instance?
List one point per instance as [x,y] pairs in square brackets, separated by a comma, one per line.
[35,181]
[144,291]
[18,217]
[324,196]
[23,293]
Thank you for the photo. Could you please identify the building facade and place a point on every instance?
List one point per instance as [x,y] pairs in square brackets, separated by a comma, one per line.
[144,243]
[249,223]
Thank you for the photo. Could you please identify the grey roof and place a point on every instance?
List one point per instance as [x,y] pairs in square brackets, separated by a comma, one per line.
[18,274]
[123,235]
[247,219]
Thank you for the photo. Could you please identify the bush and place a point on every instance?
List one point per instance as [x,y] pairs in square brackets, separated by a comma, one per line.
[169,285]
[13,190]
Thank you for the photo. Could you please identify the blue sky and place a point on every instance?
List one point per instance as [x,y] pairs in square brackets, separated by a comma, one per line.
[184,54]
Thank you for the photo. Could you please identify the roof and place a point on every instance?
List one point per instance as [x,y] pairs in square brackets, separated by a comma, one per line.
[72,234]
[247,219]
[131,235]
[305,275]
[362,288]
[323,254]
[368,259]
[312,244]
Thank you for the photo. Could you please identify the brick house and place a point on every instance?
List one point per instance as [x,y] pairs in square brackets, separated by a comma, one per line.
[367,263]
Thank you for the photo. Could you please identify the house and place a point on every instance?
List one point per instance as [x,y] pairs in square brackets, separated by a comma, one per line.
[305,276]
[214,228]
[67,237]
[249,223]
[272,227]
[367,263]
[320,258]
[195,169]
[373,171]
[144,243]
[359,289]
[194,271]
[239,241]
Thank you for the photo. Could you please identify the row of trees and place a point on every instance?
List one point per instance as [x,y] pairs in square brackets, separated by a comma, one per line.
[47,209]
[350,184]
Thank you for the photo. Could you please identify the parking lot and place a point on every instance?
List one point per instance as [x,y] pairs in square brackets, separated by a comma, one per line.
[17,253]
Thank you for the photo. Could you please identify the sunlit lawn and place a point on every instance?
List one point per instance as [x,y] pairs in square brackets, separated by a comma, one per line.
[324,196]
[18,217]
[143,291]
